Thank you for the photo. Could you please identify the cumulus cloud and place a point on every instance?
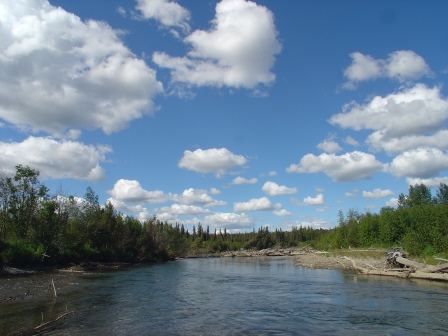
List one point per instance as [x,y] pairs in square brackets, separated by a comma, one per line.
[74,74]
[282,213]
[168,13]
[242,180]
[130,191]
[363,67]
[238,51]
[430,183]
[230,221]
[347,167]
[273,189]
[401,65]
[419,163]
[216,161]
[182,209]
[197,196]
[318,200]
[393,202]
[329,146]
[410,118]
[351,141]
[56,159]
[377,193]
[404,65]
[378,140]
[255,204]
[414,110]
[123,206]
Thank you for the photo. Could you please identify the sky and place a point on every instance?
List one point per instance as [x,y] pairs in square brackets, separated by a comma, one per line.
[234,114]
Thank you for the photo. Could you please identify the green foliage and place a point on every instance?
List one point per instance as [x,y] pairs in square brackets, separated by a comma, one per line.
[21,253]
[419,224]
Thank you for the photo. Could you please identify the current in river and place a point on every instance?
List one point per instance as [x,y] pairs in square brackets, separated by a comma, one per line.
[235,296]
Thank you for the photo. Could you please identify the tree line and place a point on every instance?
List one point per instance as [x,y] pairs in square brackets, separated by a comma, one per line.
[39,228]
[419,224]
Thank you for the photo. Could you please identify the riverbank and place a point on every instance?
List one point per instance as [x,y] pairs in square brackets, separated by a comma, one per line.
[20,284]
[314,259]
[372,259]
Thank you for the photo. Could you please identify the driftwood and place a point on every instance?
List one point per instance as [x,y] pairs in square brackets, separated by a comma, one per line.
[416,270]
[43,325]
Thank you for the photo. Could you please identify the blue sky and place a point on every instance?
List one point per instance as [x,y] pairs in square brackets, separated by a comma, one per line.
[231,113]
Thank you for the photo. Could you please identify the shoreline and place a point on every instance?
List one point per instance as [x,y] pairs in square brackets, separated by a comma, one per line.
[24,283]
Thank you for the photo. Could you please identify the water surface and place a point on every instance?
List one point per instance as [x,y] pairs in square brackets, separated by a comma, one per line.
[237,296]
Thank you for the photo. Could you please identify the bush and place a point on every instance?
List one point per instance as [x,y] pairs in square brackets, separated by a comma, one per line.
[20,253]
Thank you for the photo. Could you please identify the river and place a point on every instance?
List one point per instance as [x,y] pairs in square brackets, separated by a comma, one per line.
[235,296]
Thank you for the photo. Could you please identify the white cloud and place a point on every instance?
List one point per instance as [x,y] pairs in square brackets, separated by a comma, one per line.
[363,67]
[329,146]
[393,202]
[242,180]
[168,13]
[123,206]
[74,74]
[351,141]
[347,167]
[379,141]
[401,65]
[238,51]
[197,196]
[120,10]
[318,200]
[255,204]
[314,222]
[214,191]
[56,159]
[352,194]
[377,193]
[230,221]
[182,209]
[430,183]
[416,110]
[272,173]
[282,213]
[130,191]
[419,163]
[273,189]
[216,161]
[406,65]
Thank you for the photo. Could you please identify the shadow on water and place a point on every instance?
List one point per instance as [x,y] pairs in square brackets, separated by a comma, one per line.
[235,296]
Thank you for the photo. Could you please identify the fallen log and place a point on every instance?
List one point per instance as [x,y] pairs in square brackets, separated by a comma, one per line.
[44,325]
[404,273]
[441,268]
[416,265]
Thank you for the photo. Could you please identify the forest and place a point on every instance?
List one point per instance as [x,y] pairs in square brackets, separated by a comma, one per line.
[419,224]
[37,228]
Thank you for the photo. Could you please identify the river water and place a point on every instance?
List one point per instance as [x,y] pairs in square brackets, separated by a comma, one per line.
[235,296]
